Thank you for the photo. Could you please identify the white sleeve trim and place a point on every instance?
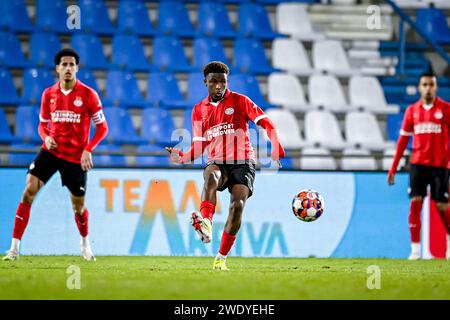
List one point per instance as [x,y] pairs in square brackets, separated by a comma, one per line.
[43,119]
[259,118]
[98,117]
[405,133]
[198,139]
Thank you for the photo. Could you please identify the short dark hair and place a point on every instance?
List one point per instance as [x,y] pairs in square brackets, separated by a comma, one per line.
[66,52]
[216,67]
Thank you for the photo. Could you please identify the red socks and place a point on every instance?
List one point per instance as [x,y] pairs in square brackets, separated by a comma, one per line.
[21,221]
[207,209]
[414,220]
[226,243]
[82,222]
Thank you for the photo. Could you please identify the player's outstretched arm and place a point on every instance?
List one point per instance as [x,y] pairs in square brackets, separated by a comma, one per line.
[278,152]
[196,150]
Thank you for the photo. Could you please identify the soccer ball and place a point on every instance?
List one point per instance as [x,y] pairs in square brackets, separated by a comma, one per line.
[308,205]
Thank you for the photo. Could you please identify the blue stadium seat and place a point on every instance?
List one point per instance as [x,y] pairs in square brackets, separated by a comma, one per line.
[249,57]
[122,89]
[213,20]
[95,17]
[133,18]
[14,16]
[8,92]
[206,50]
[43,47]
[168,55]
[433,23]
[11,54]
[27,122]
[108,160]
[6,136]
[86,76]
[157,126]
[249,86]
[187,121]
[51,15]
[90,50]
[286,163]
[196,91]
[163,91]
[254,21]
[121,129]
[152,161]
[22,159]
[128,53]
[35,81]
[173,19]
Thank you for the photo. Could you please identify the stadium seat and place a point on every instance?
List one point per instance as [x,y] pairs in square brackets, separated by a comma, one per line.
[290,56]
[173,19]
[249,86]
[329,56]
[358,159]
[168,55]
[363,131]
[108,160]
[268,163]
[187,121]
[121,129]
[86,76]
[366,93]
[334,99]
[11,54]
[133,18]
[206,50]
[286,90]
[27,122]
[163,91]
[433,23]
[122,89]
[293,20]
[317,159]
[90,50]
[35,81]
[128,53]
[15,17]
[249,57]
[388,158]
[43,47]
[196,89]
[6,136]
[51,16]
[254,22]
[95,17]
[322,130]
[288,128]
[213,21]
[157,126]
[8,92]
[22,158]
[152,161]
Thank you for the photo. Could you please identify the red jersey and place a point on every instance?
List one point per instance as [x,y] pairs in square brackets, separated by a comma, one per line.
[224,125]
[429,127]
[69,115]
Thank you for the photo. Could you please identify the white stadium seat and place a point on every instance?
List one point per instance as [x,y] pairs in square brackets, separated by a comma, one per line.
[322,130]
[366,92]
[325,91]
[286,90]
[317,159]
[330,56]
[291,56]
[351,161]
[388,158]
[362,130]
[293,20]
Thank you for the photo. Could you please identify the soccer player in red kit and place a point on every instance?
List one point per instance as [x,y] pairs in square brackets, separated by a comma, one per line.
[67,109]
[428,122]
[220,124]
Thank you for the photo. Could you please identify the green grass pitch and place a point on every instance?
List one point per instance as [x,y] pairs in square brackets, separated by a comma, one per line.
[168,278]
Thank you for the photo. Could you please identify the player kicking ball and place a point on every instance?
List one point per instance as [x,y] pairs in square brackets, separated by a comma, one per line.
[220,124]
[67,108]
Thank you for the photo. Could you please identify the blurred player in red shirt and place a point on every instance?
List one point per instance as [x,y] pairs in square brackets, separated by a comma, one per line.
[220,124]
[428,122]
[67,109]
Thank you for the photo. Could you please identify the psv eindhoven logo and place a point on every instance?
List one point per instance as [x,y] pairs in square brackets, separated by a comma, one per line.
[438,114]
[229,110]
[78,102]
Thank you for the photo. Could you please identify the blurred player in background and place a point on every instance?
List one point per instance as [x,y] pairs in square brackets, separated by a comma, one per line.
[428,121]
[67,109]
[220,124]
